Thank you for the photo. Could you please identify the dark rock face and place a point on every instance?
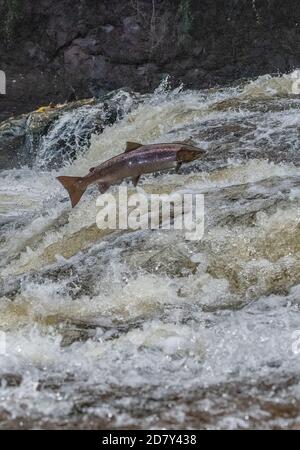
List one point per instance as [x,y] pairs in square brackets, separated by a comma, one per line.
[51,50]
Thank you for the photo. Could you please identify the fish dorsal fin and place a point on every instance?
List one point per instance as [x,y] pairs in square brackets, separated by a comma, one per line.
[130,146]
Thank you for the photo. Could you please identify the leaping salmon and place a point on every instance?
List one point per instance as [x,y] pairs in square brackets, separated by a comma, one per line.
[137,160]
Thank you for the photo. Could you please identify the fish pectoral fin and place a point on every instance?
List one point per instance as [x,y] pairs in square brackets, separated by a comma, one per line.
[130,146]
[135,180]
[178,165]
[103,187]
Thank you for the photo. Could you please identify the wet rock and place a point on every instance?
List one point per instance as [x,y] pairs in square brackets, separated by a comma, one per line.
[74,332]
[12,139]
[52,134]
[82,330]
[173,262]
[10,379]
[19,136]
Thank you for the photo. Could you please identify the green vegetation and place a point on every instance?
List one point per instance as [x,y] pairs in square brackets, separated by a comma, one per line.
[10,13]
[185,14]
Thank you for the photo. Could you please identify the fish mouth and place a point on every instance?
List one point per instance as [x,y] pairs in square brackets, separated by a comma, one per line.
[188,155]
[197,154]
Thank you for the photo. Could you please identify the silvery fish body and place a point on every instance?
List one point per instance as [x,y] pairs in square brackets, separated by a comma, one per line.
[137,160]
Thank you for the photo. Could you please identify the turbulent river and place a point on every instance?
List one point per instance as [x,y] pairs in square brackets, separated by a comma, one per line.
[146,329]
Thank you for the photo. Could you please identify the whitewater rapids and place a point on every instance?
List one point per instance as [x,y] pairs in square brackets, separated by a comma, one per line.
[146,329]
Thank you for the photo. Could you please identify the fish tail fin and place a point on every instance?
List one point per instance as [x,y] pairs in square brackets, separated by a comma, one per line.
[74,186]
